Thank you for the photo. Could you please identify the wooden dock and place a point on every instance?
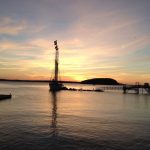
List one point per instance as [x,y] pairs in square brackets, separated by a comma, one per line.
[137,88]
[4,96]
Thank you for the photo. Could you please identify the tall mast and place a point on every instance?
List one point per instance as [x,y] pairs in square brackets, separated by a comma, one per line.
[54,84]
[56,60]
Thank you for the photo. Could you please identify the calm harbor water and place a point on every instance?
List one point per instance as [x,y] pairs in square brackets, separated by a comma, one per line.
[36,119]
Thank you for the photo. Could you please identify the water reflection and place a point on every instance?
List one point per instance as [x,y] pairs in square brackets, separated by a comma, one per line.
[54,113]
[38,119]
[137,101]
[146,101]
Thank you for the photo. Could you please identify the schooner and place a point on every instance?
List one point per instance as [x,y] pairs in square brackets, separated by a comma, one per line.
[55,84]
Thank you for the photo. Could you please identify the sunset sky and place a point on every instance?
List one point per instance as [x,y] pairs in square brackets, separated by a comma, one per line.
[96,38]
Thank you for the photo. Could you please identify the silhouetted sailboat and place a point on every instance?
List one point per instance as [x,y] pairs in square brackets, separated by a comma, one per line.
[55,84]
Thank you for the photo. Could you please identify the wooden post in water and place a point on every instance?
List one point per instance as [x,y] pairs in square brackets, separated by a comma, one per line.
[124,89]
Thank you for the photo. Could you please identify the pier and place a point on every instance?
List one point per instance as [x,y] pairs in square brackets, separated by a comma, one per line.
[137,88]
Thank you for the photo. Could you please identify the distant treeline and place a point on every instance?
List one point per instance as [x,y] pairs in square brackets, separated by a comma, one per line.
[101,81]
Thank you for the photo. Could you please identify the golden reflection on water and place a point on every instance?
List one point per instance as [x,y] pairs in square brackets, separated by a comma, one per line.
[42,118]
[54,113]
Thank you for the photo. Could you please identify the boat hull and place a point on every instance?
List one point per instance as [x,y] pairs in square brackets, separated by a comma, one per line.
[56,86]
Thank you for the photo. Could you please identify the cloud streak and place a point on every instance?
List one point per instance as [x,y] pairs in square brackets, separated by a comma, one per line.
[11,27]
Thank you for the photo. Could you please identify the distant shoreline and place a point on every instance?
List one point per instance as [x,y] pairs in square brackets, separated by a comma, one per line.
[17,80]
[93,81]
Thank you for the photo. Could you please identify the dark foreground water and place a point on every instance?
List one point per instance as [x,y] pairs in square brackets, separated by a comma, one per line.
[36,119]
